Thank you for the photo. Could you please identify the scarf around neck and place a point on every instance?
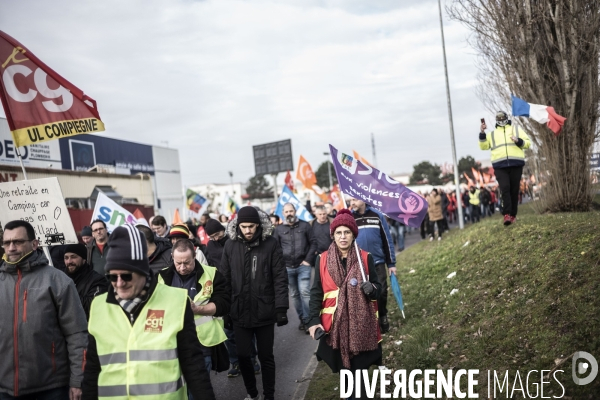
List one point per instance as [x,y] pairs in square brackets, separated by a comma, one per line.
[130,305]
[355,325]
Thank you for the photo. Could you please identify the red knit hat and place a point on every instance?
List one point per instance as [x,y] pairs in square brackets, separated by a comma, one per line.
[344,218]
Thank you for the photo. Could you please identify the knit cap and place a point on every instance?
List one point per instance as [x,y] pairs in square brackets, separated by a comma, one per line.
[127,250]
[344,218]
[78,249]
[86,231]
[213,226]
[179,230]
[248,214]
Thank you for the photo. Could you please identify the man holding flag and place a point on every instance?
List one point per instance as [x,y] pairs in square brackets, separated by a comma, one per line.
[508,158]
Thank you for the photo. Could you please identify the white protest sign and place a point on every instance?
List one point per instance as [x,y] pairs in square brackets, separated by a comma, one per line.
[111,213]
[39,202]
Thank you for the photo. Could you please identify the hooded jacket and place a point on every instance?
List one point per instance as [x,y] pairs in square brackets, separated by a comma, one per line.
[43,335]
[255,273]
[161,258]
[375,237]
[89,284]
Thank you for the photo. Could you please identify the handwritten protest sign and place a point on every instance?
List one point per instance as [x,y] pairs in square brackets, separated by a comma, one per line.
[39,202]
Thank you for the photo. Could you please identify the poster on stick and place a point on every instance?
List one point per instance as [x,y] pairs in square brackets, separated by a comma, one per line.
[41,203]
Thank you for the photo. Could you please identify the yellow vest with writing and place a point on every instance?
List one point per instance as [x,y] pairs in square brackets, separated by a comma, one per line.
[210,329]
[140,361]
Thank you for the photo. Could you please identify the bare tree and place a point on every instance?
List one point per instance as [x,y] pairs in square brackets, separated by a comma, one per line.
[546,52]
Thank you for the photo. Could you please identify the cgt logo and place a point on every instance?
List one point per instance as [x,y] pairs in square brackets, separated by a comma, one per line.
[590,365]
[154,321]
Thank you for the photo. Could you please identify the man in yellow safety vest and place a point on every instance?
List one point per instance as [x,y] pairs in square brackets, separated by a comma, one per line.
[210,298]
[142,336]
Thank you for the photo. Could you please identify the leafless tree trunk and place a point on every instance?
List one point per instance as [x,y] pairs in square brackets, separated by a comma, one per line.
[545,52]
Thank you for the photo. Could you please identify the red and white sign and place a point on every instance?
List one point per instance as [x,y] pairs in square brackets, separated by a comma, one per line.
[41,105]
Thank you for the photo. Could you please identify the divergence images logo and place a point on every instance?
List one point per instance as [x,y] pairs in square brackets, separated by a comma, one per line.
[583,367]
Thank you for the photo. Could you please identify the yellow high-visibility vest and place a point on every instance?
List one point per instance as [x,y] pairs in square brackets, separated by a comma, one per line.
[140,360]
[474,197]
[503,148]
[210,329]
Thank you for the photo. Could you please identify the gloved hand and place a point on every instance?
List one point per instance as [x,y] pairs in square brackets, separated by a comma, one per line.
[227,322]
[281,316]
[367,288]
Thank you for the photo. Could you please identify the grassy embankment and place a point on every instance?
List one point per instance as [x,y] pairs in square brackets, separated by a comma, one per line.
[527,300]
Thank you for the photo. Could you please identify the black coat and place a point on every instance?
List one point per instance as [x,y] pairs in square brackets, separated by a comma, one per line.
[161,258]
[89,284]
[214,251]
[220,295]
[297,242]
[256,275]
[189,354]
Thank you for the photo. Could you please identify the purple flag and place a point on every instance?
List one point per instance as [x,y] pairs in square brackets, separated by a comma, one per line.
[375,188]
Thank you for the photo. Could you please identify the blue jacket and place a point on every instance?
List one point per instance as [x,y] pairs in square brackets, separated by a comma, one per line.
[374,236]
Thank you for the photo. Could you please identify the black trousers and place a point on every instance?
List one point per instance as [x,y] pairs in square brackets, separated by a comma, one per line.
[265,338]
[509,180]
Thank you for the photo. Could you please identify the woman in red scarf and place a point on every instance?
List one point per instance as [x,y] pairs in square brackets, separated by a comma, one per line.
[342,304]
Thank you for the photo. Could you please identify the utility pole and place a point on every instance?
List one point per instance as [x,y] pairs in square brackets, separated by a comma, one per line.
[373,150]
[461,221]
[329,171]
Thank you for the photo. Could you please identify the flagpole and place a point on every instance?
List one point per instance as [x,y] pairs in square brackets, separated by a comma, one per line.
[461,222]
[362,267]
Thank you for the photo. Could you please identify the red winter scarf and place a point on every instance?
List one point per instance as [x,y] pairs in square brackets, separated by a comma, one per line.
[354,327]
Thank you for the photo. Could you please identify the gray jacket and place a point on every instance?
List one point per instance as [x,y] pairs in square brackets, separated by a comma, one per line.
[46,348]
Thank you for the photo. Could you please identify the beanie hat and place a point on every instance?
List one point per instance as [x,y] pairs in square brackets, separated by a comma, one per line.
[179,230]
[248,214]
[213,226]
[86,231]
[78,249]
[344,218]
[127,250]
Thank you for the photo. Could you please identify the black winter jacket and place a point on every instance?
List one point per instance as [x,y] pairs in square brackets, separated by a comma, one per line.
[89,284]
[214,251]
[256,274]
[297,242]
[189,354]
[161,258]
[220,296]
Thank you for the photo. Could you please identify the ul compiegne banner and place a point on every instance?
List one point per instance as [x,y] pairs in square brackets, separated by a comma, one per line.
[41,105]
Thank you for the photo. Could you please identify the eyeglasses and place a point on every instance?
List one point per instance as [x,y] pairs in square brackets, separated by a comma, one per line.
[16,242]
[98,230]
[115,277]
[217,236]
[343,233]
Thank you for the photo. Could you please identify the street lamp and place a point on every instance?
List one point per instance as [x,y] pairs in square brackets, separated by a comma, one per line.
[329,171]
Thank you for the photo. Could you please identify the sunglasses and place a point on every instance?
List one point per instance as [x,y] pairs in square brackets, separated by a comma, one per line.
[124,277]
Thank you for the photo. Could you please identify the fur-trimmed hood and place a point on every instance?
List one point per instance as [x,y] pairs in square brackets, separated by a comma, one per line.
[265,223]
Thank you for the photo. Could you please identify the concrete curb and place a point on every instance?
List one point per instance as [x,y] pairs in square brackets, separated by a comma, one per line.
[304,382]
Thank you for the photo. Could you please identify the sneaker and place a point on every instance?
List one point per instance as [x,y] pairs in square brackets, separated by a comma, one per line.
[513,219]
[431,238]
[259,397]
[385,325]
[234,371]
[507,220]
[256,367]
[301,327]
[439,238]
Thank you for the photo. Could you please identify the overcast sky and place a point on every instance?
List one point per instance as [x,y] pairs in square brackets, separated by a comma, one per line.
[215,77]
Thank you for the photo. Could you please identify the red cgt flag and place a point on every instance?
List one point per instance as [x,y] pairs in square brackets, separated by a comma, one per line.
[289,182]
[41,105]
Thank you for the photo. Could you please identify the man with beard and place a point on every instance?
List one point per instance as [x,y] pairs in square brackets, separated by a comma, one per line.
[253,266]
[88,282]
[159,249]
[299,246]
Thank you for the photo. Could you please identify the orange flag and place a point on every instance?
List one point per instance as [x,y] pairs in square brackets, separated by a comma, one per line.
[305,173]
[360,158]
[469,181]
[140,219]
[176,218]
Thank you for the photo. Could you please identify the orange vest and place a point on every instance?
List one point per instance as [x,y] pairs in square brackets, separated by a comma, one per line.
[331,292]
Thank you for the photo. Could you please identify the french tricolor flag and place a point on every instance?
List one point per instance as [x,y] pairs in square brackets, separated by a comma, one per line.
[537,112]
